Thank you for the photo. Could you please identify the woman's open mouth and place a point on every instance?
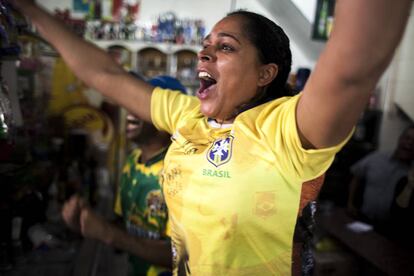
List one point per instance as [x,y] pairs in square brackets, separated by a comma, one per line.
[207,83]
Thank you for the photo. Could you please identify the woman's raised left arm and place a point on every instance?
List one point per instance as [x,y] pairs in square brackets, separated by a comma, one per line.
[365,36]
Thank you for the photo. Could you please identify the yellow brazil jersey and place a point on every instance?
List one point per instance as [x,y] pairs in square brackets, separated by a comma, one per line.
[233,193]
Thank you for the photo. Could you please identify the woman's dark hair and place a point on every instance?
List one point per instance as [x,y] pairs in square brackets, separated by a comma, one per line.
[273,47]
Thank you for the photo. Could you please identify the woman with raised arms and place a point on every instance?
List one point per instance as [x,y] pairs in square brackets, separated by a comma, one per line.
[243,147]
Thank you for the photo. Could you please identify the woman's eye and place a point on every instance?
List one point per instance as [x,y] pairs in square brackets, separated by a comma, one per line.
[227,48]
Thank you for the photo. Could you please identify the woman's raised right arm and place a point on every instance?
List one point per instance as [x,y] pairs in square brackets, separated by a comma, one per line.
[92,65]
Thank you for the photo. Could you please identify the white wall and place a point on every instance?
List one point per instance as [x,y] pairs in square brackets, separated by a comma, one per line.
[61,4]
[299,58]
[307,8]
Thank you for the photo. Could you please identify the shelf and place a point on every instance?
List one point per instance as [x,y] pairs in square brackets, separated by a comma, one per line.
[151,59]
[136,46]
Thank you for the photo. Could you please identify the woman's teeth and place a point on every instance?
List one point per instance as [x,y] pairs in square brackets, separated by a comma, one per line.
[204,75]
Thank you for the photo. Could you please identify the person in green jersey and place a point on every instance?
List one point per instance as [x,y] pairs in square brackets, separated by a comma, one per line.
[139,201]
[243,147]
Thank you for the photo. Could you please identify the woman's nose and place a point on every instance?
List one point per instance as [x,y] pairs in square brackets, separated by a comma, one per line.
[206,55]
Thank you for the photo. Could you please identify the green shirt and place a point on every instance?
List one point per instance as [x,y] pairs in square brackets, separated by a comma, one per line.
[141,205]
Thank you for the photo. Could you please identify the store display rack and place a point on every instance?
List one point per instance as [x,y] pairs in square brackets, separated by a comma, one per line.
[150,59]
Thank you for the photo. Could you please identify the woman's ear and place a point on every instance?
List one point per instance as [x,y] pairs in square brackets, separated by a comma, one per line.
[267,74]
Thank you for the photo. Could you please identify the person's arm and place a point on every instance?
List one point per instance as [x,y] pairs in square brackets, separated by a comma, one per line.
[82,219]
[362,43]
[157,252]
[91,64]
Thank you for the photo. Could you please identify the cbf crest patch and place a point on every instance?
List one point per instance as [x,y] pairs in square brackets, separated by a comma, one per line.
[220,152]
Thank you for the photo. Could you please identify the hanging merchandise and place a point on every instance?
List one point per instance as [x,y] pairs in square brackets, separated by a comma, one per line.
[106,9]
[125,10]
[166,24]
[10,24]
[3,125]
[6,115]
[6,124]
[96,129]
[95,9]
[170,28]
[67,89]
[91,121]
[125,26]
[116,9]
[81,6]
[132,8]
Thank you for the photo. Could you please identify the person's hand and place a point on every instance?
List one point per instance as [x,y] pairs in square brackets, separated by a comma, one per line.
[92,225]
[71,212]
[81,218]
